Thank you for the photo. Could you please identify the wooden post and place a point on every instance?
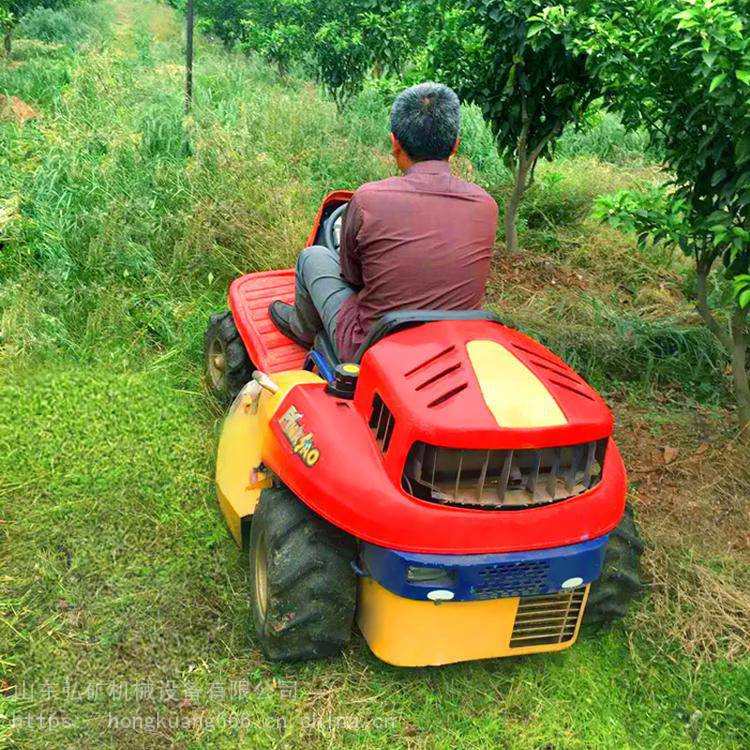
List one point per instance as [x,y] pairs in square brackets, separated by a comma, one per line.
[189,56]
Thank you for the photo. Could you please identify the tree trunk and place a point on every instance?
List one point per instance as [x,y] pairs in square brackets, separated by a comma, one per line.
[739,369]
[511,207]
[7,42]
[704,310]
[734,340]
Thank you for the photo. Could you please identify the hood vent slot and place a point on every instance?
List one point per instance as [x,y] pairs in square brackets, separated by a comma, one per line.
[568,387]
[442,374]
[536,354]
[450,394]
[381,423]
[428,362]
[557,371]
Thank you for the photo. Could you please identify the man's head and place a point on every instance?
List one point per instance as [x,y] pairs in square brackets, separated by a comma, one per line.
[425,122]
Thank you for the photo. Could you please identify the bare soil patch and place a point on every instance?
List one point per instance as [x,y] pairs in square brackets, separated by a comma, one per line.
[14,108]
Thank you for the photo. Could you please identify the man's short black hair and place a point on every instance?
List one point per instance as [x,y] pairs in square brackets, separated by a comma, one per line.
[426,119]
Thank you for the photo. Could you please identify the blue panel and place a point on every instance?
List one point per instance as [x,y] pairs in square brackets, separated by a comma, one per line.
[498,576]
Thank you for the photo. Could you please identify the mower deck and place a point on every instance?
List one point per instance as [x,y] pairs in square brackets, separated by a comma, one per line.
[249,298]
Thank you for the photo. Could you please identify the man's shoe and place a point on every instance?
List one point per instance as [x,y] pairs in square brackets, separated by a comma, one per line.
[281,313]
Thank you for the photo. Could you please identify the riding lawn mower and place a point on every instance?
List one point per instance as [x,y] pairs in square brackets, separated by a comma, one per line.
[455,488]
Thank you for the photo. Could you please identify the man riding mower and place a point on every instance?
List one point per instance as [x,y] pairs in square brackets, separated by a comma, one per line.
[393,454]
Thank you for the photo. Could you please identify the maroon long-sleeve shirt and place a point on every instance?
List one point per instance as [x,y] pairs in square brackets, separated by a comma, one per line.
[422,241]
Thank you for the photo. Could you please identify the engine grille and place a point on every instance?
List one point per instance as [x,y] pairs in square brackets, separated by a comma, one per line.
[381,423]
[502,479]
[512,579]
[544,620]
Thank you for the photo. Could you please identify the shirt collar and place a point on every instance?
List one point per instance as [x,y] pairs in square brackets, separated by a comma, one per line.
[429,166]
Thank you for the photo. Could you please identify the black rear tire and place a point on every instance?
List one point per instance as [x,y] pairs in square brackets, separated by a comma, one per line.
[228,366]
[303,587]
[620,582]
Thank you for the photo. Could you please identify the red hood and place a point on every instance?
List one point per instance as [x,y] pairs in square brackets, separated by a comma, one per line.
[427,379]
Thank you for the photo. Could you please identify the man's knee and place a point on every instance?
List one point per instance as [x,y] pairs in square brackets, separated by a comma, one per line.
[315,259]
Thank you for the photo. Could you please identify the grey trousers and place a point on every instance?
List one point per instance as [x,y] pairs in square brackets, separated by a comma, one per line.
[320,293]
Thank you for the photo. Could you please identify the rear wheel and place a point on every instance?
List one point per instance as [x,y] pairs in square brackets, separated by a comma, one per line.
[303,585]
[620,581]
[228,367]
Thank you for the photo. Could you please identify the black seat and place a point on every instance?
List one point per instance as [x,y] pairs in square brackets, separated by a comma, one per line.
[391,323]
[397,321]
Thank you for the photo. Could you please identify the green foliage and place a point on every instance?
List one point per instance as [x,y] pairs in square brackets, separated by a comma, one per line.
[341,59]
[552,201]
[221,17]
[340,43]
[517,61]
[742,290]
[12,11]
[357,37]
[278,30]
[521,62]
[61,26]
[683,70]
[653,215]
[602,133]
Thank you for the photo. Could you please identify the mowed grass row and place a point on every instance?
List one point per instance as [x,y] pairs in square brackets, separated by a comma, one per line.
[123,609]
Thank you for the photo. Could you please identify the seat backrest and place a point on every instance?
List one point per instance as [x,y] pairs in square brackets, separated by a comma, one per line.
[397,321]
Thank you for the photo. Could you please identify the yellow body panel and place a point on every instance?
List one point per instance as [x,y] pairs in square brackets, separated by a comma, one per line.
[243,435]
[412,633]
[525,404]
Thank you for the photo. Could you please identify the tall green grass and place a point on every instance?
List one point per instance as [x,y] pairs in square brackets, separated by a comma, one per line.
[78,23]
[134,220]
[604,136]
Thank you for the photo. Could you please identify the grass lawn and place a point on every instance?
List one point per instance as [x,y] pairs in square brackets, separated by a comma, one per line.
[124,618]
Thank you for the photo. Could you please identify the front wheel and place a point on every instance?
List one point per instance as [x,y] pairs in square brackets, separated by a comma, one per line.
[228,366]
[620,582]
[303,587]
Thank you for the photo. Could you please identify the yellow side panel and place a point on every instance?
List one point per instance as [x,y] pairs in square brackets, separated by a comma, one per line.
[411,633]
[514,395]
[243,434]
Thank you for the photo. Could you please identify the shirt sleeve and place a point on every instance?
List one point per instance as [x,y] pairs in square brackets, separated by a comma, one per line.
[351,261]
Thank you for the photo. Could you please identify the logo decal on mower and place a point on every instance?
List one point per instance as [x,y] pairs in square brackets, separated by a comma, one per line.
[302,442]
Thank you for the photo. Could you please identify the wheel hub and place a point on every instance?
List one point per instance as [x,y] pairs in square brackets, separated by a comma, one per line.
[261,575]
[217,363]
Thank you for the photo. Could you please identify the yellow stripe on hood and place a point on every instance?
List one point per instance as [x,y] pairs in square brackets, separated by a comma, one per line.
[514,395]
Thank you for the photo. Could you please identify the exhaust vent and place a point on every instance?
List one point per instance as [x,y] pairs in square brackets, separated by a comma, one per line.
[548,619]
[504,580]
[381,423]
[502,479]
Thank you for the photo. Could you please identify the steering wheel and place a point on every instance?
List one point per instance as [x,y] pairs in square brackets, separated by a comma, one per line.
[331,237]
